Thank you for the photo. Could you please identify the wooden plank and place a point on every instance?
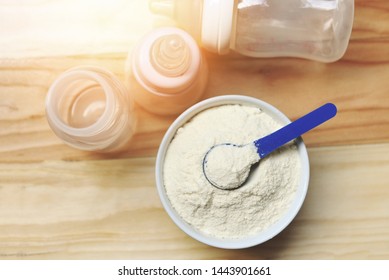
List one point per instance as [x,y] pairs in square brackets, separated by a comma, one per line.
[110,209]
[57,202]
[358,84]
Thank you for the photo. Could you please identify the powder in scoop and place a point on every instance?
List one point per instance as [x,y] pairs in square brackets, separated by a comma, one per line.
[238,213]
[227,166]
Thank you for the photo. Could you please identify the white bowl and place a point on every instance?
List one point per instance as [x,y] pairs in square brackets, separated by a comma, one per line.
[231,243]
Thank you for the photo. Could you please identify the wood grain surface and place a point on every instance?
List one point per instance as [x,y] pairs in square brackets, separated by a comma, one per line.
[60,203]
[110,209]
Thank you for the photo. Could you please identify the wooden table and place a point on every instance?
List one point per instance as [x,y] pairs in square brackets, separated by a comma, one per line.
[60,203]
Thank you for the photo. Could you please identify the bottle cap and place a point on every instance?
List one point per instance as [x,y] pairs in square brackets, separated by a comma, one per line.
[186,13]
[217,25]
[162,7]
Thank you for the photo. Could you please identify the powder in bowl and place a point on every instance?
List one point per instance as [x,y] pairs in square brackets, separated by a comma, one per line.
[229,214]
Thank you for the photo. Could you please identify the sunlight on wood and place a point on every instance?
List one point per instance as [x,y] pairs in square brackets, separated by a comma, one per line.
[48,28]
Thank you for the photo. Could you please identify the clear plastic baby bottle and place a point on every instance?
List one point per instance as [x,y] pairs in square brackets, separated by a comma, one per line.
[166,72]
[313,29]
[90,109]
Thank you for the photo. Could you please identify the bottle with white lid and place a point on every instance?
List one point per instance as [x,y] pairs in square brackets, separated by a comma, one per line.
[166,72]
[312,29]
[90,109]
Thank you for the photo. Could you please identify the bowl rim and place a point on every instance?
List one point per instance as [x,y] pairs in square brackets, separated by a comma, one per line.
[268,233]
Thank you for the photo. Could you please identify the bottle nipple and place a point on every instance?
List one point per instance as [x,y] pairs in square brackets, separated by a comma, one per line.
[170,55]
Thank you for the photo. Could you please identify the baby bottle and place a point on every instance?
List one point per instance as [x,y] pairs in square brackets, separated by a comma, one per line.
[89,109]
[313,29]
[166,72]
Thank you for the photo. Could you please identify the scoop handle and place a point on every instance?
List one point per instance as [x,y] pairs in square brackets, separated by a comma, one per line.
[273,141]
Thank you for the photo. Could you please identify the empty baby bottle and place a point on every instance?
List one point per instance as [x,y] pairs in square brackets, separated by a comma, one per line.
[166,72]
[313,29]
[89,109]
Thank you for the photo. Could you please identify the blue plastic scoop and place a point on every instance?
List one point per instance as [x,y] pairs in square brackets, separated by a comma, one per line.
[227,166]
